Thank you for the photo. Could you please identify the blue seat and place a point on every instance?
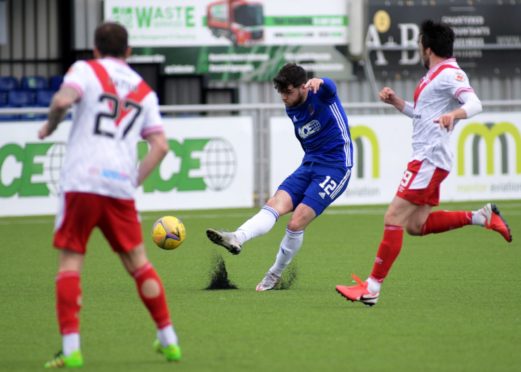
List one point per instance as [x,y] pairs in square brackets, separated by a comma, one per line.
[22,98]
[44,97]
[3,98]
[33,83]
[9,117]
[8,83]
[55,82]
[5,104]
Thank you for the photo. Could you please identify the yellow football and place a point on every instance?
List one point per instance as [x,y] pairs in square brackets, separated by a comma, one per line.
[168,232]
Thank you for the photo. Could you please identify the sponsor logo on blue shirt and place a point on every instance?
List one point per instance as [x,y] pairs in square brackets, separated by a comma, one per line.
[309,128]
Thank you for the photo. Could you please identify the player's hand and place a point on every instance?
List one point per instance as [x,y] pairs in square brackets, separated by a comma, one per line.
[387,95]
[314,84]
[446,121]
[43,131]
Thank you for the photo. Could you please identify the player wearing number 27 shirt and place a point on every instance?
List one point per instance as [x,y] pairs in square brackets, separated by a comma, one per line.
[442,97]
[113,108]
[116,109]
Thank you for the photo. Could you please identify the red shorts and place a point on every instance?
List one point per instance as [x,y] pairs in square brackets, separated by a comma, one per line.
[80,212]
[421,183]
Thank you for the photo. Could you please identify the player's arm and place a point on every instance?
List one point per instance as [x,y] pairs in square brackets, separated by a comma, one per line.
[61,102]
[325,87]
[389,96]
[158,150]
[471,106]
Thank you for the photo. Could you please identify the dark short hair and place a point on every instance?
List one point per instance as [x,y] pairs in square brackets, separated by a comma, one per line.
[289,74]
[439,37]
[111,39]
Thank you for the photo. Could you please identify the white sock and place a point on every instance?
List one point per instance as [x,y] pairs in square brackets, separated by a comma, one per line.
[70,343]
[257,225]
[373,285]
[167,336]
[478,218]
[289,246]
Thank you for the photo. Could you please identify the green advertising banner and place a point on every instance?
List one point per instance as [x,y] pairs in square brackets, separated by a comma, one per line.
[208,165]
[236,39]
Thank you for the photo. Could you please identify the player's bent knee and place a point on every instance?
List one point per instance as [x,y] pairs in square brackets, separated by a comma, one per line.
[294,226]
[390,217]
[150,288]
[414,230]
[298,224]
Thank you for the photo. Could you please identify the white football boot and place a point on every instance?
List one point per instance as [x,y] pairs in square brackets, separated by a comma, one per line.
[269,281]
[224,239]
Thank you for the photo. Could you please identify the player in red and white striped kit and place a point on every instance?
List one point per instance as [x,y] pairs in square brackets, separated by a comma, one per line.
[442,97]
[113,108]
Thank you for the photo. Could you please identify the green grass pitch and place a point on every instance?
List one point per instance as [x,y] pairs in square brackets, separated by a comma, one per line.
[451,303]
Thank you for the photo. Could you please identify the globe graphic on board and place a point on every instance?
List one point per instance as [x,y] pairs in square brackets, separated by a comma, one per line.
[55,157]
[219,164]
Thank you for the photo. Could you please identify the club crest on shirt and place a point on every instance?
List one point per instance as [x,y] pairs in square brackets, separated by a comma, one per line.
[309,128]
[459,76]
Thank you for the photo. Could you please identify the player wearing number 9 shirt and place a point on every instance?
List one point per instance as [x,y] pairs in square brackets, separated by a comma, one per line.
[442,97]
[321,127]
[113,108]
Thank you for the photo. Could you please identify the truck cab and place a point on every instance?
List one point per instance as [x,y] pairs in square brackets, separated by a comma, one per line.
[240,21]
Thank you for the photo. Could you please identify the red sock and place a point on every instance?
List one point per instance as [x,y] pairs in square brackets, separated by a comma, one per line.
[68,301]
[389,249]
[156,305]
[441,221]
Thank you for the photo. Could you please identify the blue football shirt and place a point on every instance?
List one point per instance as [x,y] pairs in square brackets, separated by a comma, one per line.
[322,128]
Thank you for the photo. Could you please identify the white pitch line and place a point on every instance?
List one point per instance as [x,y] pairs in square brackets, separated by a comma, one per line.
[334,212]
[147,217]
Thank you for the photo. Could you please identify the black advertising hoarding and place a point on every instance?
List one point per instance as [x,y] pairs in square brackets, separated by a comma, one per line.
[488,35]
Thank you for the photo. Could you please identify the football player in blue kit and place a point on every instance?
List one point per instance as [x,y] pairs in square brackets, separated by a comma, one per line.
[322,129]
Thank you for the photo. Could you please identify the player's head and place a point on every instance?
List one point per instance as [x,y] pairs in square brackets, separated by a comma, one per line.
[111,40]
[437,39]
[290,82]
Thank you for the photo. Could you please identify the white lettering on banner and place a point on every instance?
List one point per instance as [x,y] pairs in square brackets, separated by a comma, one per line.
[232,57]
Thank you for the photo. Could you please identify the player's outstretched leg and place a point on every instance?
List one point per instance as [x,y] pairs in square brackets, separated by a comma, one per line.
[224,239]
[358,292]
[74,360]
[269,281]
[172,352]
[494,221]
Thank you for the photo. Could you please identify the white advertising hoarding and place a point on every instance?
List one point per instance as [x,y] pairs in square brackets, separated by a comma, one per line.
[209,166]
[487,157]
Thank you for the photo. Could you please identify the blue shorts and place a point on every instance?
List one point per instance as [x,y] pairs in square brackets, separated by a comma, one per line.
[316,185]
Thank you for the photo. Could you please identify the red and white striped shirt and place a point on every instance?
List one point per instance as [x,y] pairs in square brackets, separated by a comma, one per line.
[437,93]
[115,110]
